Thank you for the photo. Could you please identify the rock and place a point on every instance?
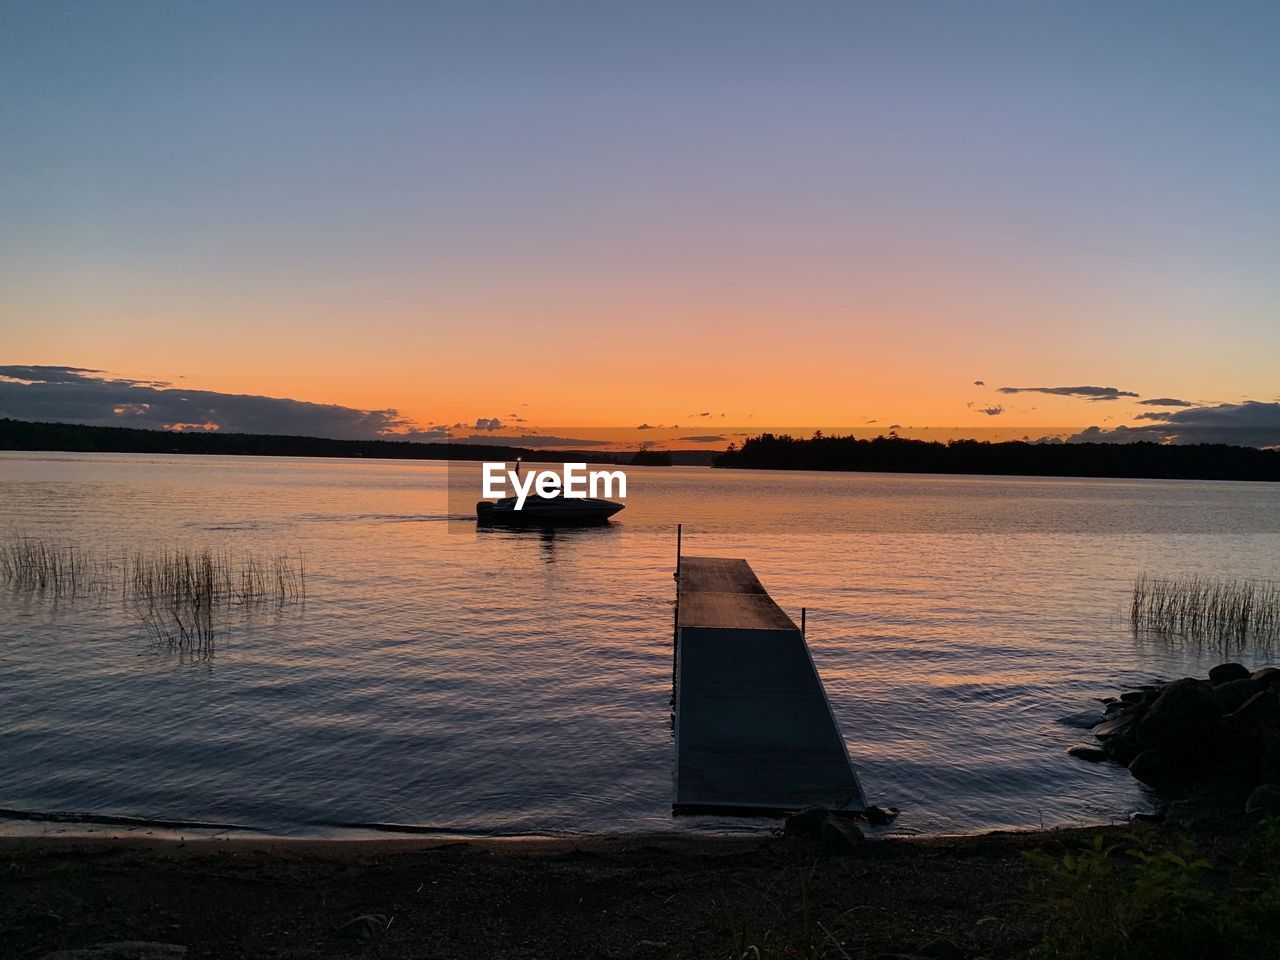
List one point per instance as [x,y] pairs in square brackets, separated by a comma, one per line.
[1085,720]
[1266,676]
[43,920]
[1234,693]
[1154,768]
[1224,672]
[1141,816]
[1268,769]
[879,816]
[806,823]
[1209,807]
[1264,800]
[362,928]
[1182,722]
[1121,749]
[942,949]
[840,836]
[1133,696]
[1084,752]
[1261,712]
[649,947]
[122,950]
[1117,725]
[1246,735]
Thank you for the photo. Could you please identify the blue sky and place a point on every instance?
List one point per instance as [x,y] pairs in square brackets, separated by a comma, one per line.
[335,201]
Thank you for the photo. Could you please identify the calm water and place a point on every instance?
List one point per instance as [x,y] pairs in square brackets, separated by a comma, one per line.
[503,682]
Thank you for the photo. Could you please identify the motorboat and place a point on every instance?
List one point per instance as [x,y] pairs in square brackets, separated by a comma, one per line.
[546,511]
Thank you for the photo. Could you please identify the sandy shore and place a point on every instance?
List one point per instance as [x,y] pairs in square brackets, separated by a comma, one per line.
[635,896]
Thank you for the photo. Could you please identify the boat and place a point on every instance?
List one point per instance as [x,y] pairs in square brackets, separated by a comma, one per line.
[546,511]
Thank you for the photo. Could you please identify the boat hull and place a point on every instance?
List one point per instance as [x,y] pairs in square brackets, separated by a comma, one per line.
[546,512]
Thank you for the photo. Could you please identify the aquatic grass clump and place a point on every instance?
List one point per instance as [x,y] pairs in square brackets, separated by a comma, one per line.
[181,596]
[208,577]
[1226,611]
[40,566]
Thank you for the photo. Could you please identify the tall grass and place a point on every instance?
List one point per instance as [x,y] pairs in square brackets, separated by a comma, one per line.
[59,569]
[181,596]
[205,576]
[1230,612]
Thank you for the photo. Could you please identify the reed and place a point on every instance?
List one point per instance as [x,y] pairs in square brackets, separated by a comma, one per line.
[41,566]
[180,595]
[1228,611]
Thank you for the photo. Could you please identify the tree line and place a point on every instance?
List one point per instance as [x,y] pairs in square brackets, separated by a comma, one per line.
[80,438]
[1143,459]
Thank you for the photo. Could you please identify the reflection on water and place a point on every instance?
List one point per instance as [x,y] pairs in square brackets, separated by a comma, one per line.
[519,680]
[552,541]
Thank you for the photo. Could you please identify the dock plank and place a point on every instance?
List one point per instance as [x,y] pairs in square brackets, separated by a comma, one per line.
[754,728]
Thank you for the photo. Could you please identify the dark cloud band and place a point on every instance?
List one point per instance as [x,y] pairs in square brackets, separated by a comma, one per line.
[80,395]
[1088,393]
[1248,424]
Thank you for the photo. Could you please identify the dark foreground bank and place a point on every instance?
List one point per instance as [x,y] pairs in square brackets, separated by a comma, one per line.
[1092,892]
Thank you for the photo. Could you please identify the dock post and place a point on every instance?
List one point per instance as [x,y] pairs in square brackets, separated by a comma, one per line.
[679,546]
[675,626]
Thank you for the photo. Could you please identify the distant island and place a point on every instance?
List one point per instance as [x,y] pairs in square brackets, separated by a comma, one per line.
[1139,460]
[82,438]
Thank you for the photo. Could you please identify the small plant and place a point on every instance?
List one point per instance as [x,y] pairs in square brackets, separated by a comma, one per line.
[791,935]
[1229,612]
[1150,903]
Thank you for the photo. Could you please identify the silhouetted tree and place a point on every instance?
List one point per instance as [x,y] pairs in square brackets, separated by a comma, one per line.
[1199,461]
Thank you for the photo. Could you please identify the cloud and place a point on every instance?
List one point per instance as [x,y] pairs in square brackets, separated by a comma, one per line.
[430,434]
[707,439]
[979,383]
[895,426]
[544,440]
[645,426]
[81,395]
[1165,402]
[1089,393]
[994,411]
[487,423]
[32,374]
[1120,434]
[1250,424]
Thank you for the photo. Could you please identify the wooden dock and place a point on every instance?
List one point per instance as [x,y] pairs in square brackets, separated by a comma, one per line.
[755,733]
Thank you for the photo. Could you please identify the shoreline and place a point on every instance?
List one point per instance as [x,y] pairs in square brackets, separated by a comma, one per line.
[626,896]
[632,895]
[33,825]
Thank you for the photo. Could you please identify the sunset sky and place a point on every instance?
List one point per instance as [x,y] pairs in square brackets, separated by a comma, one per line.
[608,213]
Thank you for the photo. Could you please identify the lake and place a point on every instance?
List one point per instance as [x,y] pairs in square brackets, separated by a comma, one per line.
[507,682]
